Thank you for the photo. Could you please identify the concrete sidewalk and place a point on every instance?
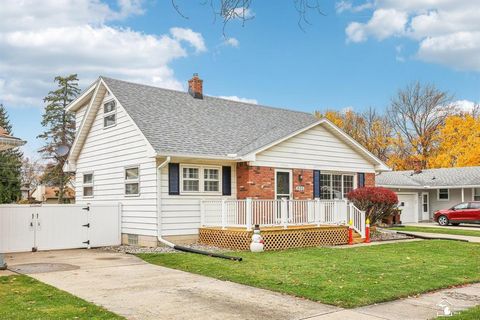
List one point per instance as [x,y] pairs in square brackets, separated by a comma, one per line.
[428,235]
[436,225]
[128,286]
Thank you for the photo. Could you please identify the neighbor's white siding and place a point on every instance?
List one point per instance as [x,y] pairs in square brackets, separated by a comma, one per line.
[316,148]
[106,153]
[181,213]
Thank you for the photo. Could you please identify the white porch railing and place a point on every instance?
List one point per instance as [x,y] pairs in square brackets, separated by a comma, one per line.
[249,212]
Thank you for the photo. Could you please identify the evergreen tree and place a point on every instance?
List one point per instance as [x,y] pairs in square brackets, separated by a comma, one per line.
[59,131]
[10,166]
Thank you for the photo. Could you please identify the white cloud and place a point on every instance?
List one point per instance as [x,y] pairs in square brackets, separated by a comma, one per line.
[38,42]
[243,13]
[465,105]
[233,42]
[447,31]
[383,24]
[195,39]
[239,99]
[345,5]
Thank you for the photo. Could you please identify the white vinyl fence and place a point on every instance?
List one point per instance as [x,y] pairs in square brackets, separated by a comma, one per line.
[55,226]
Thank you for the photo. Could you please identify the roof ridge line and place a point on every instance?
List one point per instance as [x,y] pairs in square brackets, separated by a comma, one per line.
[213,97]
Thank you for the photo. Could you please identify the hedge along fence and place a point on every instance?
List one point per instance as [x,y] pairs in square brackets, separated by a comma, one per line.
[377,202]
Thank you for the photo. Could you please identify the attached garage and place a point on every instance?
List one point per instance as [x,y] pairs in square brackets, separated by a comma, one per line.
[408,202]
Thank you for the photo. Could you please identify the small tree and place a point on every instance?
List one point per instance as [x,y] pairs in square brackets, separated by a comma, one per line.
[377,202]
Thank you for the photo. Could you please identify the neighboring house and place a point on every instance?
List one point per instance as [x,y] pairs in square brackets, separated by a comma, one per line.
[9,142]
[422,192]
[159,152]
[49,195]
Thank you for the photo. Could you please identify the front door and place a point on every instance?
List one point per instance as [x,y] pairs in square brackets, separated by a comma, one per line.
[425,206]
[283,182]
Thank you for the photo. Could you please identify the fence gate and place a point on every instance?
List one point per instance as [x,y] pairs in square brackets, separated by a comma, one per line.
[50,227]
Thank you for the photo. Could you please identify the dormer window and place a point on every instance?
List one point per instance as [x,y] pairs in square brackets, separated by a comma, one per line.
[109,114]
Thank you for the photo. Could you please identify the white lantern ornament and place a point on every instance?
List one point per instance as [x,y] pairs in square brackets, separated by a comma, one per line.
[257,244]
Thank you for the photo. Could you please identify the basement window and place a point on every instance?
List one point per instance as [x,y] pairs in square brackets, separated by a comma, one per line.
[109,114]
[132,181]
[88,185]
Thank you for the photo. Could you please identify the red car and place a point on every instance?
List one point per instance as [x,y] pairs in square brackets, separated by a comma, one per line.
[465,212]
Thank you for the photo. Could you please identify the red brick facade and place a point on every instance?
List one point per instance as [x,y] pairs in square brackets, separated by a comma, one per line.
[259,182]
[302,184]
[255,182]
[369,179]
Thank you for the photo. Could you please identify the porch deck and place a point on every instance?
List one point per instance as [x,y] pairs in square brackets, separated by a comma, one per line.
[275,237]
[283,223]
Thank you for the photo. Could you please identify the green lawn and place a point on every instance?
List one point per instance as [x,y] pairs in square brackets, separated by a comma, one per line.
[22,297]
[469,314]
[344,277]
[444,230]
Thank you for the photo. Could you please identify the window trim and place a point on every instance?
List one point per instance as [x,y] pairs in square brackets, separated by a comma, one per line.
[113,112]
[343,174]
[474,194]
[201,179]
[448,194]
[88,184]
[131,181]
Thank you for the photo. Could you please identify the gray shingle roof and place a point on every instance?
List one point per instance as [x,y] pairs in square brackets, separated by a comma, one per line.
[443,177]
[176,123]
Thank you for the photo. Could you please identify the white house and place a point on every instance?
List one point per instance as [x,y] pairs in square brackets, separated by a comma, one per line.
[422,192]
[164,154]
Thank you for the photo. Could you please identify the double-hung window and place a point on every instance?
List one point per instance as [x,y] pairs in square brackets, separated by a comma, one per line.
[476,194]
[109,114]
[200,179]
[132,181]
[88,184]
[443,194]
[335,186]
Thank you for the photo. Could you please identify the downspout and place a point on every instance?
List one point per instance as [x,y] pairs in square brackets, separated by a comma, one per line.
[159,206]
[159,222]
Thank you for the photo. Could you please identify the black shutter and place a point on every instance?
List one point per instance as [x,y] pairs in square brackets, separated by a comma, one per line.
[173,179]
[227,181]
[316,183]
[361,179]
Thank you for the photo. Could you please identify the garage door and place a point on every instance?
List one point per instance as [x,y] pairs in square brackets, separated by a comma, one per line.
[407,202]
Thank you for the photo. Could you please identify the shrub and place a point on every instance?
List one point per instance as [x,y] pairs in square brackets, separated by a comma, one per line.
[377,202]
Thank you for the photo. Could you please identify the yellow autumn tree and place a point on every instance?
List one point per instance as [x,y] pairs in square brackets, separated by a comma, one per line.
[458,143]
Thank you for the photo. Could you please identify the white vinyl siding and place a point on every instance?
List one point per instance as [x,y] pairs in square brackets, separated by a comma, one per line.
[181,213]
[316,148]
[108,153]
[79,116]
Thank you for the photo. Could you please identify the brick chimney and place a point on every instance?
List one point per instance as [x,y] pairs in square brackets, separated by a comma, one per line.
[417,166]
[195,87]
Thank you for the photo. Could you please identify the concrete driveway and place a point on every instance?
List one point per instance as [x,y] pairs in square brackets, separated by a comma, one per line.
[130,287]
[134,289]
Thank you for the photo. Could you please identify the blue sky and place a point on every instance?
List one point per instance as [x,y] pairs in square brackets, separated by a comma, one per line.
[356,56]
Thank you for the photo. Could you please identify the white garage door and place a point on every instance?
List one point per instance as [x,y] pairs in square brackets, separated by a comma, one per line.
[407,202]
